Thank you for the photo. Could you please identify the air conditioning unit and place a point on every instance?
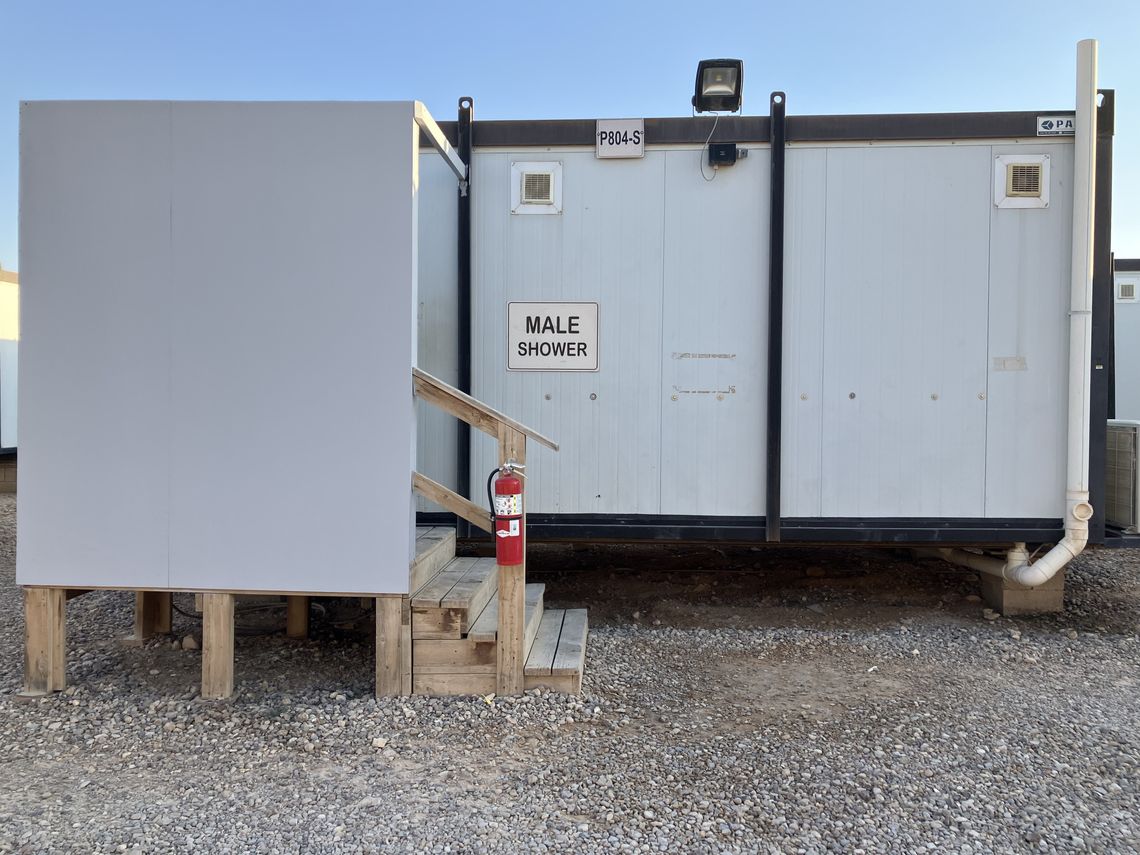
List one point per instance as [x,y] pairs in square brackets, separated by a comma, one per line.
[1122,488]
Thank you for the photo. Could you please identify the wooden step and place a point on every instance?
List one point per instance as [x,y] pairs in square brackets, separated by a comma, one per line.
[486,626]
[558,657]
[435,548]
[454,655]
[446,606]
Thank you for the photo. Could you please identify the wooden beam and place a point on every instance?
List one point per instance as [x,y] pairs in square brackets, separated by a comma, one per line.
[512,625]
[512,445]
[440,143]
[152,614]
[217,646]
[512,587]
[436,396]
[45,640]
[393,646]
[164,618]
[405,645]
[451,501]
[463,406]
[297,617]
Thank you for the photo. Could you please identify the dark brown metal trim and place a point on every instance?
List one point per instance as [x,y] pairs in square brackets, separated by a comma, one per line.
[887,127]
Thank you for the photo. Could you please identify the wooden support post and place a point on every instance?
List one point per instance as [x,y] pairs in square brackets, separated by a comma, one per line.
[393,646]
[512,624]
[45,640]
[164,618]
[217,646]
[152,614]
[512,588]
[297,617]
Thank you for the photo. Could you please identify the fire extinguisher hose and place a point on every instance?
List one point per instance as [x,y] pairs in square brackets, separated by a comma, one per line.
[490,496]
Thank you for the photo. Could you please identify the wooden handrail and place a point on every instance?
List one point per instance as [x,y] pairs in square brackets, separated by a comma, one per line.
[449,500]
[511,651]
[475,413]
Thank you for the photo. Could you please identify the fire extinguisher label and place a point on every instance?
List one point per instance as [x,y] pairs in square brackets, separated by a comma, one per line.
[514,528]
[509,505]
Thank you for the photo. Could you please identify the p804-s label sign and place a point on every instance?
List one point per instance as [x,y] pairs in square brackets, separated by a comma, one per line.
[552,336]
[620,138]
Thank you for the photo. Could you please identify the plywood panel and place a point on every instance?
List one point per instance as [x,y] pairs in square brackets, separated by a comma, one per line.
[714,336]
[95,252]
[904,419]
[605,247]
[295,330]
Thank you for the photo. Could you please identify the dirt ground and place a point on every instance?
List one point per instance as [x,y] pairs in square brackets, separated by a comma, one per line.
[736,699]
[710,586]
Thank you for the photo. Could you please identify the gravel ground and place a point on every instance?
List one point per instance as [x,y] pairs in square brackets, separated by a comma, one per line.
[790,701]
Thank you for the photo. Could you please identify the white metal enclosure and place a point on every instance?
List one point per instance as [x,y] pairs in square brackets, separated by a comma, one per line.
[218,330]
[9,357]
[925,343]
[1127,327]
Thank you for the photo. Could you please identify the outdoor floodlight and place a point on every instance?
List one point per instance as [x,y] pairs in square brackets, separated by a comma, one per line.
[720,83]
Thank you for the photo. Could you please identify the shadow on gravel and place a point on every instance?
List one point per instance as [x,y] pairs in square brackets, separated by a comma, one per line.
[757,587]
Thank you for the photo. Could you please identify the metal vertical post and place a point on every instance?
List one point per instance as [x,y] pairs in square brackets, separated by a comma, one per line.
[463,307]
[775,315]
[1104,296]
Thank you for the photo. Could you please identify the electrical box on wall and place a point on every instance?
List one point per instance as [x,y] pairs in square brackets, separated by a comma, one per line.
[722,154]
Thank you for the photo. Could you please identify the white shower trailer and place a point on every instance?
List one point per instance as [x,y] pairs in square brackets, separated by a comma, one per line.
[940,351]
[1126,328]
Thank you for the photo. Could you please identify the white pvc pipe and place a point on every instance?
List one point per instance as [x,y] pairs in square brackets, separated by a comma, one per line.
[1017,568]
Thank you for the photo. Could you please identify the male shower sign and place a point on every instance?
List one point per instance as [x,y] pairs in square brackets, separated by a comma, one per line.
[552,336]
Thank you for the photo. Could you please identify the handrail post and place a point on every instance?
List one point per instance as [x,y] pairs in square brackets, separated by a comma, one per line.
[512,588]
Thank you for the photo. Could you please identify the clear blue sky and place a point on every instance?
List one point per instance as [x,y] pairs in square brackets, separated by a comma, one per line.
[573,60]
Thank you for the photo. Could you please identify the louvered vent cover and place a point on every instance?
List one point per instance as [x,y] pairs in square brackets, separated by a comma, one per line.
[1121,488]
[1126,291]
[1023,179]
[537,188]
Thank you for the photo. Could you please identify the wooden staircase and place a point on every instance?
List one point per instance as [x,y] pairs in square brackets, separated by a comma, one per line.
[455,625]
[469,626]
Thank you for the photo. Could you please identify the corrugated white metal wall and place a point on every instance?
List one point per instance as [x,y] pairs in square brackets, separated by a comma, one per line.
[438,292]
[9,355]
[1127,349]
[924,332]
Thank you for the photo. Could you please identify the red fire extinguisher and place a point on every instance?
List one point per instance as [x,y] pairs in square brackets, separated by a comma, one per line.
[507,509]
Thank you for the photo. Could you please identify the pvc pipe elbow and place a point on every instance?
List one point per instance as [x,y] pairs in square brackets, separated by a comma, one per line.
[1055,560]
